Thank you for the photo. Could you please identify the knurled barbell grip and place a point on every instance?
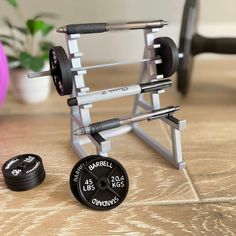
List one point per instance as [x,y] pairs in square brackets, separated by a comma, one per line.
[72,102]
[104,125]
[89,28]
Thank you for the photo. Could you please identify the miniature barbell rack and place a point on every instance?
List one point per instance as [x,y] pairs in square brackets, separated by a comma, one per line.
[160,60]
[80,115]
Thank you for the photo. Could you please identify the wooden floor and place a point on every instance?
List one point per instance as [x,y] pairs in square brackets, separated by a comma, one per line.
[198,200]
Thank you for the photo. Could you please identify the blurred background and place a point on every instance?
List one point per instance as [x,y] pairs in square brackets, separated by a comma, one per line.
[216,19]
[34,23]
[35,119]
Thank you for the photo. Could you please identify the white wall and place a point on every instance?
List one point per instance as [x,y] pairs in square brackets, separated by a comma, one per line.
[217,18]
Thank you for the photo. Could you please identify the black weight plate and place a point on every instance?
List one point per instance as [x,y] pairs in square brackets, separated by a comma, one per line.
[26,186]
[22,167]
[24,181]
[188,27]
[76,172]
[23,172]
[103,184]
[169,55]
[27,177]
[61,70]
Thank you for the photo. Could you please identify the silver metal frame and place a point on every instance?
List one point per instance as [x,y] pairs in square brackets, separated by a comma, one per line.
[80,115]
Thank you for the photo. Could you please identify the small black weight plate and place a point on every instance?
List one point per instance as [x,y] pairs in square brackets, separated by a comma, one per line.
[23,176]
[103,183]
[61,70]
[27,185]
[75,174]
[26,180]
[22,167]
[23,172]
[169,55]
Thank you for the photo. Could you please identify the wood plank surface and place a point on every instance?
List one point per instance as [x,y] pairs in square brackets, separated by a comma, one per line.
[199,200]
[48,136]
[171,220]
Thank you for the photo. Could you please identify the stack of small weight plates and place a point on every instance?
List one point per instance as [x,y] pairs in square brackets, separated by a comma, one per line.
[23,172]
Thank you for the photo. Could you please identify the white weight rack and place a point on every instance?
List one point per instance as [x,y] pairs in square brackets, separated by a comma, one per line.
[80,115]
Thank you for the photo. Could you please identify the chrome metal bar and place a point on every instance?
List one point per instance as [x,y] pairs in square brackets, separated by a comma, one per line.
[137,25]
[48,73]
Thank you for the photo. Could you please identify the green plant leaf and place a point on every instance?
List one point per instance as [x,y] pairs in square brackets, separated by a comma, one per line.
[45,46]
[13,3]
[46,15]
[44,56]
[11,38]
[8,23]
[13,62]
[11,59]
[46,28]
[35,26]
[30,62]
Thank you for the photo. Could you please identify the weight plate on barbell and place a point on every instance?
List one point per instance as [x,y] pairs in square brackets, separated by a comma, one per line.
[169,55]
[75,174]
[23,172]
[103,183]
[61,70]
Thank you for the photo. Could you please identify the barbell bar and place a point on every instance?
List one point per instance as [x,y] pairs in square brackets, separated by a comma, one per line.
[119,92]
[118,122]
[104,27]
[92,67]
[166,61]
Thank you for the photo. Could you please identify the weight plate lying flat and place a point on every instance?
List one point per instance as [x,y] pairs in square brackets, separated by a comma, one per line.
[75,174]
[103,184]
[61,70]
[23,172]
[169,55]
[37,180]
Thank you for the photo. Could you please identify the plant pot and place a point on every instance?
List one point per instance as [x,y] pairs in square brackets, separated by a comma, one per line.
[27,90]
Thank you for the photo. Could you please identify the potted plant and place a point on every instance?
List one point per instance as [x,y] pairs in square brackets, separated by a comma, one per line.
[27,50]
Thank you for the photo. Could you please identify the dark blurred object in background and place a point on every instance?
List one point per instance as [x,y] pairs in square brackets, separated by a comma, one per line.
[193,44]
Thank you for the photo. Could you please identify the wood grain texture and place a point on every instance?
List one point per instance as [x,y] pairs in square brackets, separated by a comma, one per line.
[171,220]
[199,200]
[151,178]
[209,140]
